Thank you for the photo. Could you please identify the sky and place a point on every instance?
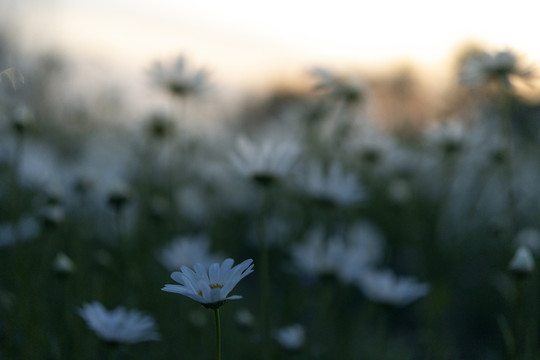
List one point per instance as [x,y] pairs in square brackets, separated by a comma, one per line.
[245,43]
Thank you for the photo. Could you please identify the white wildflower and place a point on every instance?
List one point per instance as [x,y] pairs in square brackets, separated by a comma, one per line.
[210,287]
[119,325]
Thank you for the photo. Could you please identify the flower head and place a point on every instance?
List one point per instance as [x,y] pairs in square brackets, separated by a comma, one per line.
[448,136]
[183,249]
[177,79]
[482,68]
[266,162]
[386,288]
[522,264]
[331,187]
[119,325]
[345,255]
[291,337]
[350,90]
[210,287]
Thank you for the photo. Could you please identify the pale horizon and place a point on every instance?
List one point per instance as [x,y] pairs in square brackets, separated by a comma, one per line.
[244,43]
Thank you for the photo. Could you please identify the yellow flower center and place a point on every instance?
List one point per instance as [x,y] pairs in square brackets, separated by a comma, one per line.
[212,286]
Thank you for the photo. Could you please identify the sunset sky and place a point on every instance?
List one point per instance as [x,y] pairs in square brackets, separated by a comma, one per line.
[244,42]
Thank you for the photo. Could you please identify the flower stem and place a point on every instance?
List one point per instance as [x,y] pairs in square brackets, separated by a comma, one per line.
[265,277]
[506,129]
[218,334]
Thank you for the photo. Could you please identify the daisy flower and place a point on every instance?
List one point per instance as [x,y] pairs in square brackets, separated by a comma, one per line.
[522,264]
[350,90]
[385,287]
[210,287]
[264,162]
[177,79]
[333,187]
[291,337]
[183,249]
[119,326]
[484,67]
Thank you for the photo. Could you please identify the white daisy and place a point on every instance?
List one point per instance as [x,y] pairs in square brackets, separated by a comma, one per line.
[291,337]
[177,79]
[522,264]
[119,325]
[348,89]
[385,287]
[182,250]
[315,256]
[484,67]
[333,187]
[211,286]
[264,162]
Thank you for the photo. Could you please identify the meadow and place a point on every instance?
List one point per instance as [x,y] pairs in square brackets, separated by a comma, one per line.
[416,241]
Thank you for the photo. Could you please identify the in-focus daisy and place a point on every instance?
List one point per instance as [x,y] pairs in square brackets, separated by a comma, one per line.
[384,287]
[292,337]
[182,251]
[210,287]
[265,162]
[177,79]
[119,326]
[332,187]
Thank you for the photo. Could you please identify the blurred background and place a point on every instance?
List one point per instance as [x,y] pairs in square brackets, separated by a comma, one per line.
[378,162]
[248,45]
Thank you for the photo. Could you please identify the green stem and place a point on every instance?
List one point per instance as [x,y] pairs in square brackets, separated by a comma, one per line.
[506,127]
[265,277]
[218,334]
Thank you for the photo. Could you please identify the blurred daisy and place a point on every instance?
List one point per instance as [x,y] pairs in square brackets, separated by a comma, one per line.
[63,265]
[350,90]
[177,79]
[186,251]
[346,257]
[292,337]
[449,137]
[331,187]
[22,119]
[315,256]
[522,264]
[529,237]
[119,196]
[119,326]
[265,162]
[25,229]
[384,287]
[483,68]
[210,287]
[245,319]
[159,126]
[52,215]
[364,248]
